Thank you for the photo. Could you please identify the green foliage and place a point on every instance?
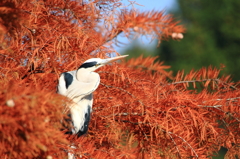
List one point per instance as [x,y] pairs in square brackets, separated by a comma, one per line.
[212,38]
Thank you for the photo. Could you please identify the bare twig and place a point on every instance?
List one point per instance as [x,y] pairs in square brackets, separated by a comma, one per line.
[185,142]
[203,80]
[175,145]
[229,99]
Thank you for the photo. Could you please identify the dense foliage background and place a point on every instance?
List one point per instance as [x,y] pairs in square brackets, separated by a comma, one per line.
[141,110]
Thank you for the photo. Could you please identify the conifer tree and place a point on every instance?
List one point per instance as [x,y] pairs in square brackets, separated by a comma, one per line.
[140,109]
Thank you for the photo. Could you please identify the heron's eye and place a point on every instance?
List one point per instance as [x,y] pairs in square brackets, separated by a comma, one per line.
[98,64]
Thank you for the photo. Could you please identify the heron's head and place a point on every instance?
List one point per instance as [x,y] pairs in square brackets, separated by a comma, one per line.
[95,63]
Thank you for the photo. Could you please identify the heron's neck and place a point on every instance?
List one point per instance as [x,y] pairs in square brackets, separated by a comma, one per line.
[85,75]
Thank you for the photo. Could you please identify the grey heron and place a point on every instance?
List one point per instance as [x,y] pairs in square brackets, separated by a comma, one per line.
[79,85]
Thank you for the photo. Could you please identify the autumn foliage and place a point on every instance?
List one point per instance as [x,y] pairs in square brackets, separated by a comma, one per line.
[140,109]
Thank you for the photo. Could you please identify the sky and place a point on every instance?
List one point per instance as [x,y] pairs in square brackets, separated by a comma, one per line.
[146,5]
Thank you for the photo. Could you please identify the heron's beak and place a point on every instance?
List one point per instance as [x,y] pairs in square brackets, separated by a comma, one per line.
[109,60]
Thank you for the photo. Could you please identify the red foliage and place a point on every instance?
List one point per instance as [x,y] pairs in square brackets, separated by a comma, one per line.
[140,110]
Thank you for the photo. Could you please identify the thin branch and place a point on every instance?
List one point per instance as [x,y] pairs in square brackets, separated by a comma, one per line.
[175,145]
[218,108]
[212,106]
[203,80]
[185,142]
[229,99]
[193,81]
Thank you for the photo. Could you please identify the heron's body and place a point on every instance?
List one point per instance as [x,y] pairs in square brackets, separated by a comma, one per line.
[79,86]
[81,108]
[80,114]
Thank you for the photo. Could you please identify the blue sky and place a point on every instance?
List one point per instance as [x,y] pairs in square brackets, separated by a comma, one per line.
[153,4]
[147,5]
